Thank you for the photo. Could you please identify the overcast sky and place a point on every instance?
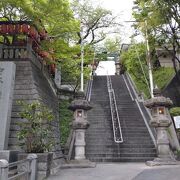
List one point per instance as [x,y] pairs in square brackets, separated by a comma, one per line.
[124,9]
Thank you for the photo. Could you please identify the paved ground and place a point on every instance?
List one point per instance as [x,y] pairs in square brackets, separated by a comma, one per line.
[120,171]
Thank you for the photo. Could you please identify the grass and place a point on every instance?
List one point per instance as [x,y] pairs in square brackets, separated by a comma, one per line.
[162,76]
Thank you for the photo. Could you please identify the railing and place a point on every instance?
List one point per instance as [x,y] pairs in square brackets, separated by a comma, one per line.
[114,113]
[26,169]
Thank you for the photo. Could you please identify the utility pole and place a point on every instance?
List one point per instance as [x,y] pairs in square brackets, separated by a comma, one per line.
[82,68]
[149,62]
[82,62]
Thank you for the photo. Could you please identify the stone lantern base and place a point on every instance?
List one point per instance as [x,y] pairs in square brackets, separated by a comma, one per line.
[162,161]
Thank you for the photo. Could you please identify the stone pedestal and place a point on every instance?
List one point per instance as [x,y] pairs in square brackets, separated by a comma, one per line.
[80,129]
[161,121]
[80,124]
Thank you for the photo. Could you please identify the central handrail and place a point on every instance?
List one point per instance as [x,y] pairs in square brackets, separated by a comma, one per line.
[114,113]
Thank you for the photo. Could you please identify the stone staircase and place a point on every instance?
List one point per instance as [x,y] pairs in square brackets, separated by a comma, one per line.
[100,146]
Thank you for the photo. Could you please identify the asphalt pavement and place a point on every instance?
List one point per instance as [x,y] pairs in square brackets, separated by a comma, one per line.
[120,171]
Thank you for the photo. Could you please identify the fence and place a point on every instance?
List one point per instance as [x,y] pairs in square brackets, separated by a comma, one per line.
[26,169]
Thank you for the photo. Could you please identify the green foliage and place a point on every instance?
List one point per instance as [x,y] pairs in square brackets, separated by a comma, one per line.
[132,64]
[163,25]
[162,76]
[95,21]
[132,61]
[35,130]
[112,45]
[175,111]
[66,117]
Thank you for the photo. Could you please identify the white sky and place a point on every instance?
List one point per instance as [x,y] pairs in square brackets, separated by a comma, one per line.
[105,68]
[123,8]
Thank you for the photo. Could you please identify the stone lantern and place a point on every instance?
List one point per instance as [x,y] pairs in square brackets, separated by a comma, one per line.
[117,65]
[160,121]
[80,107]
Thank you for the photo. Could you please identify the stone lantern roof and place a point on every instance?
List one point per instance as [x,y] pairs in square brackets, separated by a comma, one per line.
[158,100]
[80,103]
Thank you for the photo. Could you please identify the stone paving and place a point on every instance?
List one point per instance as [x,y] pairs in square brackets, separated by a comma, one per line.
[120,171]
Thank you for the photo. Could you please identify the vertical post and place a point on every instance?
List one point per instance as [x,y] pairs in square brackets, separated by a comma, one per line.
[4,169]
[33,166]
[149,62]
[82,67]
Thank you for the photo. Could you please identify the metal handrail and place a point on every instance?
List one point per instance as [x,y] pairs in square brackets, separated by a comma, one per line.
[114,113]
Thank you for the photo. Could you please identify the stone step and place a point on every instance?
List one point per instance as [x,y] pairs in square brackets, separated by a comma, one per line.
[120,159]
[100,145]
[109,135]
[129,129]
[134,141]
[126,138]
[99,150]
[113,145]
[124,154]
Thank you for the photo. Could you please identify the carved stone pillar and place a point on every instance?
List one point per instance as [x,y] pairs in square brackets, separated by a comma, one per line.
[160,121]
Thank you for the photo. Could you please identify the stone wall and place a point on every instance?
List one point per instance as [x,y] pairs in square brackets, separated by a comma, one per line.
[32,83]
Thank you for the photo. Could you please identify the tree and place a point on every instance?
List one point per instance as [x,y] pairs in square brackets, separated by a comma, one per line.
[94,20]
[112,45]
[163,24]
[109,46]
[55,16]
[134,61]
[58,20]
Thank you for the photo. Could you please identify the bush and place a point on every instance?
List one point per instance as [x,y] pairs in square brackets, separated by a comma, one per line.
[66,116]
[175,111]
[35,131]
